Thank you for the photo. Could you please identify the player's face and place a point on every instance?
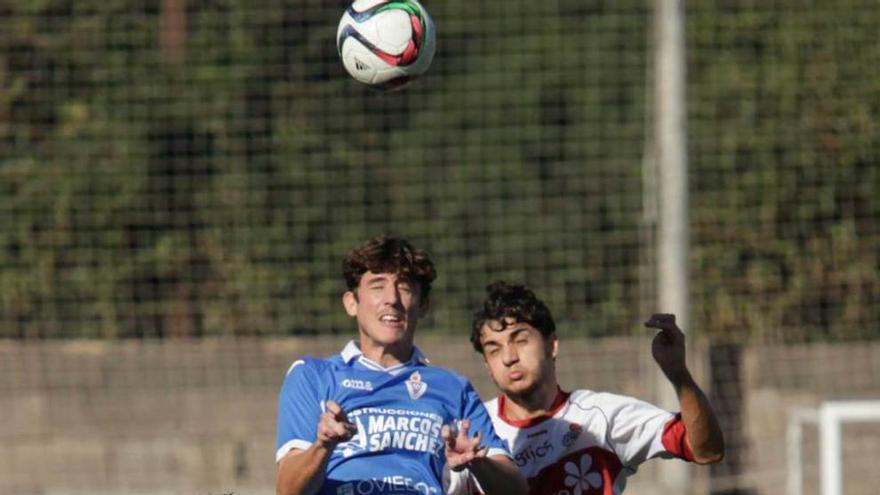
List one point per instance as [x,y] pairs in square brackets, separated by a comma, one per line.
[519,359]
[387,308]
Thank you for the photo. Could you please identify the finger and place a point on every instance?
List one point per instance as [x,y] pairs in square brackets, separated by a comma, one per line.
[338,430]
[472,445]
[662,317]
[661,320]
[330,419]
[482,452]
[332,407]
[446,434]
[478,437]
[336,410]
[449,437]
[345,435]
[327,419]
[342,427]
[666,326]
[463,429]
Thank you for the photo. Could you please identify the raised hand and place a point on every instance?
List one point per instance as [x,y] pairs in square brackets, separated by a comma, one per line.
[461,449]
[333,426]
[668,346]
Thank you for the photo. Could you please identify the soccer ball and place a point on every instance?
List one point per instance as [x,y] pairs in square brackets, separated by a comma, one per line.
[386,43]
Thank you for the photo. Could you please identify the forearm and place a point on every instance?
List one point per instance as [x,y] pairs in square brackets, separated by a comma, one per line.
[498,476]
[703,431]
[302,473]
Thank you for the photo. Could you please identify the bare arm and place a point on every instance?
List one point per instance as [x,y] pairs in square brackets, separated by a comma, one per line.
[703,431]
[704,435]
[302,472]
[496,474]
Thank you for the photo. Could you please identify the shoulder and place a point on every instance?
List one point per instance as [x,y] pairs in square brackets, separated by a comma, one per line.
[615,407]
[309,375]
[602,399]
[311,368]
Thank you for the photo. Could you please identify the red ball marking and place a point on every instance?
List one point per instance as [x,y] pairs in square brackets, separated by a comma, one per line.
[411,52]
[417,29]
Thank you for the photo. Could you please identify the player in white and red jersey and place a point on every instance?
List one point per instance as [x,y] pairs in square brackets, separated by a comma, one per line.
[582,442]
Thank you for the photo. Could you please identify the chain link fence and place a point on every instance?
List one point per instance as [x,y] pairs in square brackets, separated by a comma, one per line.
[176,170]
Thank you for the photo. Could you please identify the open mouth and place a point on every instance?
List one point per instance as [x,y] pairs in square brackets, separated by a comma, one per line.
[391,320]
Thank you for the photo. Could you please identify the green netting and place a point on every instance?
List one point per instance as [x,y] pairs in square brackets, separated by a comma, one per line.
[199,168]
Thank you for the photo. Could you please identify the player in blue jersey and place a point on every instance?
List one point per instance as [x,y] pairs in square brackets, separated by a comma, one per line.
[377,419]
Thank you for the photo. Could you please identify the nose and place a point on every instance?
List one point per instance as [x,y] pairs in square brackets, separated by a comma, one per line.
[392,295]
[509,355]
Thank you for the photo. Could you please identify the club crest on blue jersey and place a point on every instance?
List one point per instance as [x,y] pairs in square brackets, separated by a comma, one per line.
[415,386]
[397,446]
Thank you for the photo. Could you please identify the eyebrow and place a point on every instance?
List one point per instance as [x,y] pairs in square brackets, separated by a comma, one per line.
[513,334]
[489,340]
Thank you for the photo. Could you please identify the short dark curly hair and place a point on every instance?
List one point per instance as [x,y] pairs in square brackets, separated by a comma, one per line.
[387,254]
[508,300]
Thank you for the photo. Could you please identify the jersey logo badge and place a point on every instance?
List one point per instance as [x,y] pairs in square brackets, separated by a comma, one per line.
[574,431]
[415,386]
[357,384]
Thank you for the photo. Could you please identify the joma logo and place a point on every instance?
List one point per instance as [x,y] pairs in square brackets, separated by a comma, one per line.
[357,384]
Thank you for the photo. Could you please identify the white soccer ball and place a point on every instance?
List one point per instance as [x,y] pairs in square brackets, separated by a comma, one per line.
[386,43]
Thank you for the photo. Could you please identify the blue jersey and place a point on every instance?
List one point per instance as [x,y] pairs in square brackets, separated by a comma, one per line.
[398,412]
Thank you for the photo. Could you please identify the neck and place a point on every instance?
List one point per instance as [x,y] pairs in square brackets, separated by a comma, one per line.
[533,404]
[387,355]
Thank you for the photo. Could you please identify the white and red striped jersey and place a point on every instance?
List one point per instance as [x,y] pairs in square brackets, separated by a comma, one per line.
[589,442]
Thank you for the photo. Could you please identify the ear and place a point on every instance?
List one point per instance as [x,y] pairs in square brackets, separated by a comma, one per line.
[554,345]
[350,302]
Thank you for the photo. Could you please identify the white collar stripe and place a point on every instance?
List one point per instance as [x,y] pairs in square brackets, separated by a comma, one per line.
[370,364]
[352,351]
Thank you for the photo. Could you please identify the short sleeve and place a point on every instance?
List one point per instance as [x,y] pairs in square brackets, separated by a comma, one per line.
[640,431]
[462,482]
[475,411]
[675,439]
[299,408]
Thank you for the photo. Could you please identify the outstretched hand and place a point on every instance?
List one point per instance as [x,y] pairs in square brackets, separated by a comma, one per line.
[333,426]
[461,449]
[668,346]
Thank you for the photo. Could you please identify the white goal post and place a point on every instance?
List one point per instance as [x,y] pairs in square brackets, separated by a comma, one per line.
[829,417]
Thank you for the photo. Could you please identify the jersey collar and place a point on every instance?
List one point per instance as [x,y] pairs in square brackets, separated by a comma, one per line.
[351,353]
[559,401]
